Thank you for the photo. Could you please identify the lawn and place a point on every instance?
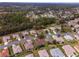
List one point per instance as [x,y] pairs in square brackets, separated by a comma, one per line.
[10,51]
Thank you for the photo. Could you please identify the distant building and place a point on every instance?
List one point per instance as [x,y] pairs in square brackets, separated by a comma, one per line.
[16,36]
[32,32]
[6,39]
[24,33]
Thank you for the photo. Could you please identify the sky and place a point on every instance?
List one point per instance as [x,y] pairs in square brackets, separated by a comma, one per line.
[45,1]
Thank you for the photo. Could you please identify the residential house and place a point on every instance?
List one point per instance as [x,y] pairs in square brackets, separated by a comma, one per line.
[33,32]
[43,53]
[68,37]
[16,49]
[29,55]
[24,33]
[48,37]
[6,39]
[77,32]
[28,45]
[4,52]
[27,37]
[56,52]
[76,36]
[58,39]
[39,42]
[16,36]
[77,47]
[70,52]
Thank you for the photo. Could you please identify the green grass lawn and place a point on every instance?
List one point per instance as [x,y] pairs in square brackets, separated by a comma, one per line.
[1,44]
[10,51]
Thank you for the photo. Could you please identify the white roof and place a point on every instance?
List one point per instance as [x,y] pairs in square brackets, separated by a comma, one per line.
[54,31]
[16,49]
[76,36]
[5,38]
[33,31]
[52,28]
[68,37]
[24,32]
[69,50]
[45,29]
[56,52]
[43,53]
[59,39]
[15,35]
[5,47]
[76,26]
[5,43]
[78,32]
[29,55]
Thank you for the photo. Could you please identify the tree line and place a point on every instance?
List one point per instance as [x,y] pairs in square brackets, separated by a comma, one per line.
[14,22]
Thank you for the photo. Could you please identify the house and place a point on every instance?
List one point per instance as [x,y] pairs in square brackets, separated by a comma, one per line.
[27,37]
[58,34]
[77,32]
[24,33]
[39,42]
[48,37]
[68,37]
[56,52]
[29,55]
[70,52]
[4,52]
[6,39]
[16,49]
[76,36]
[16,36]
[58,39]
[73,22]
[33,32]
[43,53]
[48,34]
[28,45]
[52,28]
[76,26]
[77,47]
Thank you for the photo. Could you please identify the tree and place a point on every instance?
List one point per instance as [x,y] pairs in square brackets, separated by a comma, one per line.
[41,36]
[54,42]
[0,41]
